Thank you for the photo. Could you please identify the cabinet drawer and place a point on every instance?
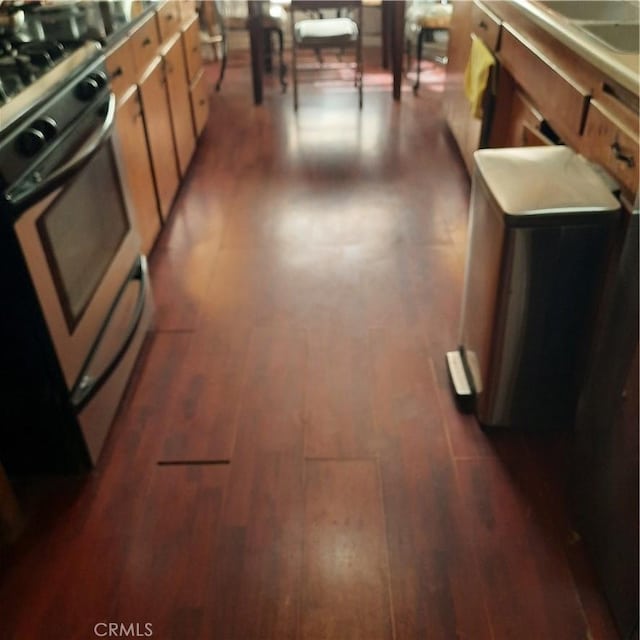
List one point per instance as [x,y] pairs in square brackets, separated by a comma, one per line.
[191,44]
[168,20]
[564,100]
[187,10]
[485,25]
[200,103]
[120,68]
[613,146]
[144,42]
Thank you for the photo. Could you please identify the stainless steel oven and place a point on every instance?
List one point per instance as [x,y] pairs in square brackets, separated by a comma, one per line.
[77,240]
[80,254]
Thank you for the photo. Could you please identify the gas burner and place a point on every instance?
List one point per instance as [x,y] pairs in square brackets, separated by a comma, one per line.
[30,71]
[43,54]
[18,64]
[10,76]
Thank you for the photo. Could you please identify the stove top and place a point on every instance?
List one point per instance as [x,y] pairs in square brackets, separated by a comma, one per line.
[29,71]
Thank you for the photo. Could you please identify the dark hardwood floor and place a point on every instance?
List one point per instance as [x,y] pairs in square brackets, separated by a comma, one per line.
[308,286]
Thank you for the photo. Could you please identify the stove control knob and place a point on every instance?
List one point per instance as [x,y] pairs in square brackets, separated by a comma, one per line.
[100,78]
[30,142]
[87,89]
[48,127]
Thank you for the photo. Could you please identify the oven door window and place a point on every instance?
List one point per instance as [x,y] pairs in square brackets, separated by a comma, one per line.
[82,231]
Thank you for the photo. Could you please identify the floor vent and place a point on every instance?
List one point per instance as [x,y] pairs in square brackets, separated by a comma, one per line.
[169,463]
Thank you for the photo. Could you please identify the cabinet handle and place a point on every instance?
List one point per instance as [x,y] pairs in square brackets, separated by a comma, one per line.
[169,16]
[616,149]
[146,42]
[202,102]
[483,25]
[117,72]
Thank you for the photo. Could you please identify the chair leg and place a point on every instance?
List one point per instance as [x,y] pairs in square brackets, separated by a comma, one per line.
[294,68]
[268,51]
[359,64]
[282,66]
[418,61]
[223,64]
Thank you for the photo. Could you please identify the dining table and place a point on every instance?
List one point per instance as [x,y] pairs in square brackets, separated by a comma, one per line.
[392,29]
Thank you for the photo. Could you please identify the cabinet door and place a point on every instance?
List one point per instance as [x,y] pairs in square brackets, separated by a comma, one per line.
[168,19]
[120,68]
[136,170]
[157,119]
[465,128]
[200,103]
[191,44]
[188,9]
[178,88]
[145,41]
[604,479]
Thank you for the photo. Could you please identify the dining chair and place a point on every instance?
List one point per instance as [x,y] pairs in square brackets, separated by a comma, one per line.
[317,32]
[427,26]
[220,17]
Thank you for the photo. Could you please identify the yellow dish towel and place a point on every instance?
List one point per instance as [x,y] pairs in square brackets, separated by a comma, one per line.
[476,75]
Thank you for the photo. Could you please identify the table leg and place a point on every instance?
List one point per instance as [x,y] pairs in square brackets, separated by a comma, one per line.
[256,38]
[397,48]
[386,31]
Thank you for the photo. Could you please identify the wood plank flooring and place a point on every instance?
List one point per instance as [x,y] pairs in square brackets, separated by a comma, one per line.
[317,481]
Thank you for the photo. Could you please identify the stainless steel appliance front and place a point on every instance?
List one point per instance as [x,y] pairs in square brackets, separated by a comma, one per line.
[79,246]
[78,302]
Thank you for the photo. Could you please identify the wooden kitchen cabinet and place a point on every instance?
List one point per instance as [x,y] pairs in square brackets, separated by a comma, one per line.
[604,478]
[168,20]
[467,18]
[545,92]
[613,141]
[464,128]
[121,68]
[144,44]
[191,44]
[516,122]
[200,102]
[157,117]
[486,25]
[178,91]
[156,73]
[565,99]
[188,9]
[137,173]
[198,85]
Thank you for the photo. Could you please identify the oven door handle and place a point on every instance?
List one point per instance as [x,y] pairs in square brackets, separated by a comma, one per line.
[87,386]
[68,169]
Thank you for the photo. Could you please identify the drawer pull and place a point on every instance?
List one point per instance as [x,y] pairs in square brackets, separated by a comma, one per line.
[483,25]
[146,42]
[170,16]
[202,102]
[117,72]
[620,155]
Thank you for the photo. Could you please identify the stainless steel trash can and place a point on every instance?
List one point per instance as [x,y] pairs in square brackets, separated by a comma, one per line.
[541,221]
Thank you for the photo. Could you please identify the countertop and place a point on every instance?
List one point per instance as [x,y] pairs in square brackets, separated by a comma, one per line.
[623,68]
